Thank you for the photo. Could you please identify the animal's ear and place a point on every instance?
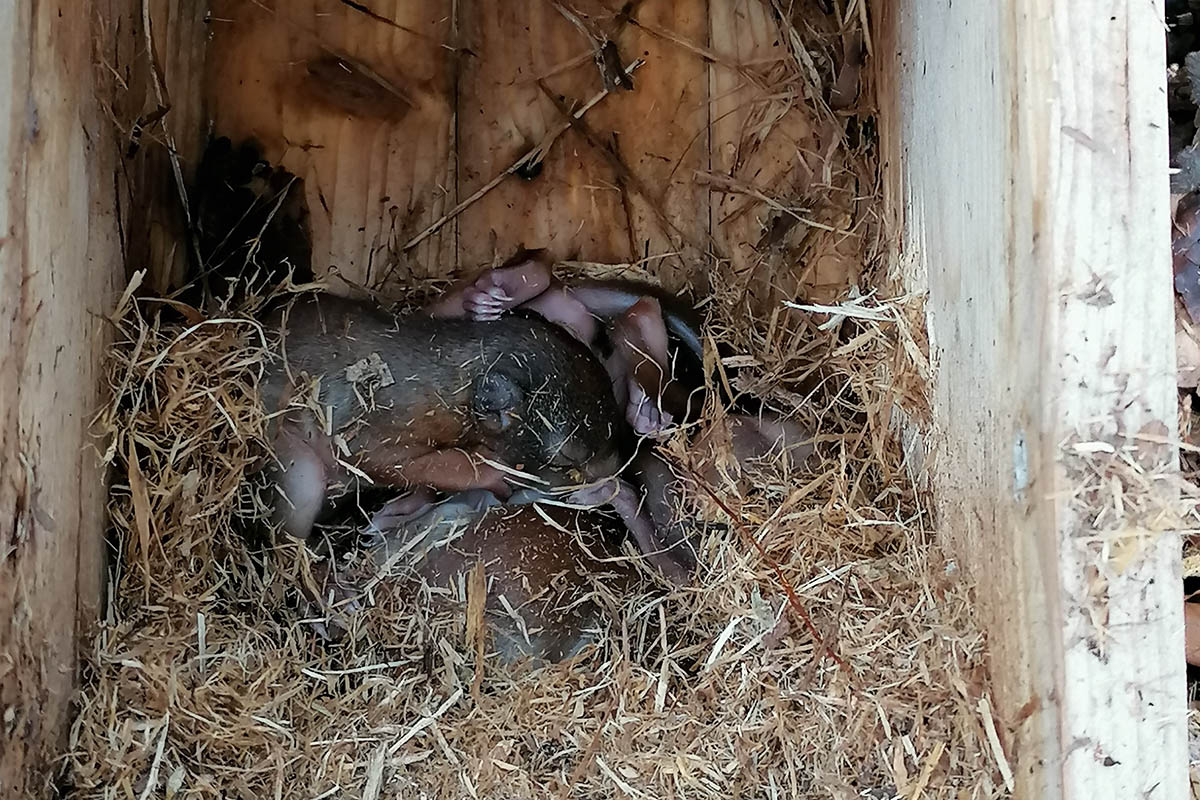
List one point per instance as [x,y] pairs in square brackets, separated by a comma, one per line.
[495,396]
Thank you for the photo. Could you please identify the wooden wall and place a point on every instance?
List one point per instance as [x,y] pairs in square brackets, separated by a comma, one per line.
[1025,143]
[455,91]
[392,112]
[1026,153]
[60,261]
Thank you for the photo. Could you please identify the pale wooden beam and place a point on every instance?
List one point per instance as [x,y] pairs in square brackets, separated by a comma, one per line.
[1026,150]
[60,261]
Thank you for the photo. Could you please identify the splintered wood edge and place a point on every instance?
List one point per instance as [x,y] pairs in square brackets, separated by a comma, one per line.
[60,260]
[1026,150]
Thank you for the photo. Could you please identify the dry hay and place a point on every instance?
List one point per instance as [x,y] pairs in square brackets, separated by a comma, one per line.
[203,679]
[870,681]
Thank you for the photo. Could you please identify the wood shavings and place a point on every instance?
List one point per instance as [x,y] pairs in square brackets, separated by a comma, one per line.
[371,371]
[989,725]
[375,774]
[708,692]
[476,633]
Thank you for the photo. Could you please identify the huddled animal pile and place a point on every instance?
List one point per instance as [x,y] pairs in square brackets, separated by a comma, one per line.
[508,419]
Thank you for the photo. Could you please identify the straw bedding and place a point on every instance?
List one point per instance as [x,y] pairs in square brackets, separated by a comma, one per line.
[203,677]
[869,681]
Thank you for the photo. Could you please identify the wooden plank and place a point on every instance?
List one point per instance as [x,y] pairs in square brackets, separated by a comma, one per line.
[60,261]
[154,222]
[661,133]
[377,174]
[359,106]
[1027,145]
[764,143]
[582,204]
[573,207]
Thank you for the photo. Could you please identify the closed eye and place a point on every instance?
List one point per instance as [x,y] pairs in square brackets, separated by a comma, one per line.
[568,454]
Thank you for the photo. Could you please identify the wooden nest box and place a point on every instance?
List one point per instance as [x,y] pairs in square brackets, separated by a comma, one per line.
[1017,178]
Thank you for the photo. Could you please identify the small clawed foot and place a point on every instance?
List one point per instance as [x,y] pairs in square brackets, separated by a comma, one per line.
[644,414]
[486,303]
[394,514]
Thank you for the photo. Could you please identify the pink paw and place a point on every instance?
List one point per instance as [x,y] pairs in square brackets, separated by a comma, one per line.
[486,301]
[597,494]
[500,289]
[643,412]
[395,513]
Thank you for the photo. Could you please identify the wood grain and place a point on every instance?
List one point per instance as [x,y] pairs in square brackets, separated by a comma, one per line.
[60,261]
[467,103]
[377,153]
[574,206]
[1028,147]
[641,201]
[762,141]
[153,222]
[661,133]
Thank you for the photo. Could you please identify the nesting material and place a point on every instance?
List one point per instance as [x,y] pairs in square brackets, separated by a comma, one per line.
[205,679]
[827,648]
